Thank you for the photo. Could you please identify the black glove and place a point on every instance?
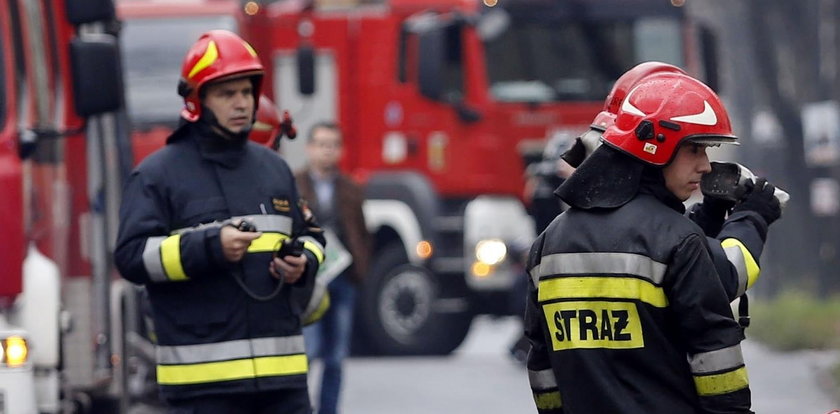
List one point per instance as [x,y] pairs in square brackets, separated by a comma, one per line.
[710,214]
[760,199]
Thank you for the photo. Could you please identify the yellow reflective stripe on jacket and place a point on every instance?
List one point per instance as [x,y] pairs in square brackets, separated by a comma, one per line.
[602,287]
[596,263]
[232,370]
[309,243]
[716,361]
[744,262]
[268,242]
[725,383]
[548,400]
[231,360]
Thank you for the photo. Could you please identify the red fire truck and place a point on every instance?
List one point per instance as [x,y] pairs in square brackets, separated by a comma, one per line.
[62,154]
[443,103]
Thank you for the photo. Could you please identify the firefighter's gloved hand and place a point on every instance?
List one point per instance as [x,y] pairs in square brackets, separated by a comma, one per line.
[716,207]
[760,199]
[710,214]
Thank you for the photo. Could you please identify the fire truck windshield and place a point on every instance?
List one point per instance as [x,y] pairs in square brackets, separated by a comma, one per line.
[153,49]
[574,60]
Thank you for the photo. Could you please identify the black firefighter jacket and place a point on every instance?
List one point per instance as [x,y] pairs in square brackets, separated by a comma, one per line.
[626,314]
[212,337]
[736,249]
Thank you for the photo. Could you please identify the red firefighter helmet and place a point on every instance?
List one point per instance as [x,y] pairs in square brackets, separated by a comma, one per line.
[622,87]
[217,55]
[664,110]
[266,123]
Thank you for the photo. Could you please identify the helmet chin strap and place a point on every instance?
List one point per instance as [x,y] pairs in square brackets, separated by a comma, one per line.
[209,118]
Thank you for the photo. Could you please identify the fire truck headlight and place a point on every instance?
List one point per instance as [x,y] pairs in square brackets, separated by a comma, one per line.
[15,351]
[490,251]
[424,249]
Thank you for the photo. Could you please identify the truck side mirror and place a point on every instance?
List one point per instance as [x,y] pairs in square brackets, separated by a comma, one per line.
[430,54]
[89,11]
[306,69]
[709,54]
[95,64]
[467,114]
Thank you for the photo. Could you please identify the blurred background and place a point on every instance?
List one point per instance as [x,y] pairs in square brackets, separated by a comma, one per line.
[448,109]
[779,74]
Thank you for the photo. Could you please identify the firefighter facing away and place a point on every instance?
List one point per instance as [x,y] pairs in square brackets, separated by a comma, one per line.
[626,312]
[736,233]
[200,222]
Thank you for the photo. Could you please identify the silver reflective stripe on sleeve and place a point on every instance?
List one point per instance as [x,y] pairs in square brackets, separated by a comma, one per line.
[152,260]
[270,222]
[535,275]
[542,380]
[263,222]
[736,257]
[309,243]
[599,263]
[716,361]
[230,350]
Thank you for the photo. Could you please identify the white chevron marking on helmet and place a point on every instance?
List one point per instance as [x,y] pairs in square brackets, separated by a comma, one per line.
[707,117]
[626,106]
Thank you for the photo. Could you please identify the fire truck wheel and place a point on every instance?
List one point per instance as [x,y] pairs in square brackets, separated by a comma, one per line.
[399,313]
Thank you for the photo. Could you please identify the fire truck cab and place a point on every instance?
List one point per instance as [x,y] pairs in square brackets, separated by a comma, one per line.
[443,103]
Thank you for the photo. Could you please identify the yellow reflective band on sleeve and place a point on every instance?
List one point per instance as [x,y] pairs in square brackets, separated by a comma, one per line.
[548,400]
[708,385]
[602,287]
[312,247]
[232,370]
[753,271]
[268,242]
[170,255]
[210,56]
[318,313]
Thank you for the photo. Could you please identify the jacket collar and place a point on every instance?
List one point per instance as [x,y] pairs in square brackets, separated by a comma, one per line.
[653,183]
[212,146]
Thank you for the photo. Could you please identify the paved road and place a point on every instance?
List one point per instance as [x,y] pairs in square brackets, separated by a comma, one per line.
[481,378]
[789,383]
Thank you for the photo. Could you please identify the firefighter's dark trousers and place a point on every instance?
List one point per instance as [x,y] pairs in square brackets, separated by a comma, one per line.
[290,401]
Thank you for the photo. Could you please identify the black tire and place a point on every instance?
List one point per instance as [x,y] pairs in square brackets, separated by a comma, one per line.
[399,310]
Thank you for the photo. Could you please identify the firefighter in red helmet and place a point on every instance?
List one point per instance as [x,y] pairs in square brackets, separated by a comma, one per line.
[266,123]
[626,312]
[591,139]
[739,237]
[201,223]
